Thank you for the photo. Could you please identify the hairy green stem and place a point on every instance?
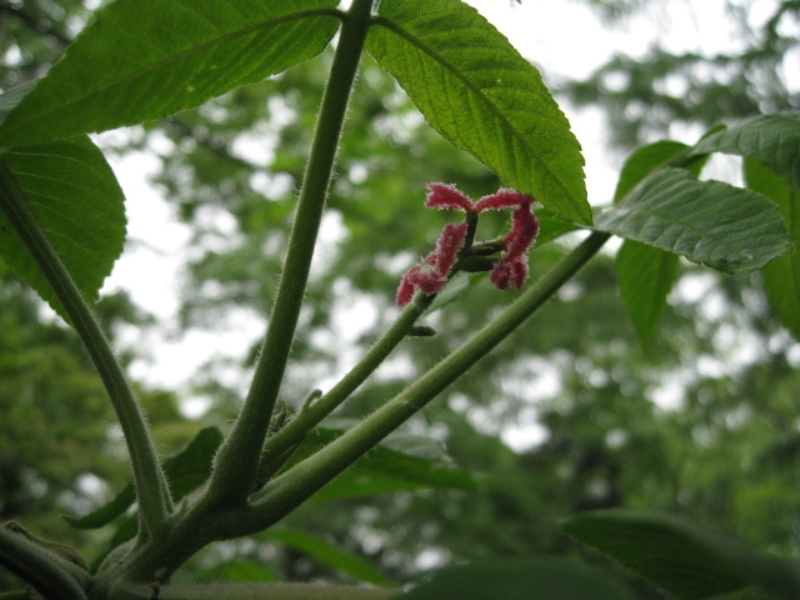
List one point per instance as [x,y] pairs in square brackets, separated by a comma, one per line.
[286,492]
[237,462]
[155,502]
[49,573]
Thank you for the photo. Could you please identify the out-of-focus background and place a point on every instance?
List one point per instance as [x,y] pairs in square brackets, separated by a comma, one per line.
[571,413]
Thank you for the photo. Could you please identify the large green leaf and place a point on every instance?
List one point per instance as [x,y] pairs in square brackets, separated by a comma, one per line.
[77,201]
[399,463]
[688,562]
[347,562]
[772,139]
[644,161]
[709,222]
[145,59]
[782,275]
[476,90]
[185,470]
[542,578]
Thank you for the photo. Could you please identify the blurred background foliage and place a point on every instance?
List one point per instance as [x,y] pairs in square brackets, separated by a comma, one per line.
[570,413]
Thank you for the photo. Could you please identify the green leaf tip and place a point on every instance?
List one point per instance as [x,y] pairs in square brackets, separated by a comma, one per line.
[476,90]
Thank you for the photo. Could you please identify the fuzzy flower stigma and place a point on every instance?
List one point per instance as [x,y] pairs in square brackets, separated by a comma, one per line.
[456,242]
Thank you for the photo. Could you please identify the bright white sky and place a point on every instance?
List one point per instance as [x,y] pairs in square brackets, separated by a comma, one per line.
[563,37]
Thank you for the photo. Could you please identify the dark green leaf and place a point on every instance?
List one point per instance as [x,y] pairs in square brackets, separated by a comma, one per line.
[80,206]
[772,139]
[782,275]
[542,578]
[145,59]
[552,226]
[401,462]
[108,512]
[476,90]
[709,222]
[185,471]
[646,276]
[345,561]
[685,560]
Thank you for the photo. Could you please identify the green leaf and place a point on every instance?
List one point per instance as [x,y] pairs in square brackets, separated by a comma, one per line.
[646,276]
[145,59]
[709,222]
[476,90]
[399,463]
[772,139]
[514,578]
[77,201]
[644,161]
[186,471]
[683,559]
[343,560]
[782,275]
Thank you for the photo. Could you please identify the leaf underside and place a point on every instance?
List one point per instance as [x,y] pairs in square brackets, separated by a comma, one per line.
[146,59]
[475,89]
[77,201]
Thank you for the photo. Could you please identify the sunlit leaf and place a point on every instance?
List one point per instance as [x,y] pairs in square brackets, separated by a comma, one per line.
[515,578]
[476,90]
[77,201]
[685,560]
[709,222]
[145,59]
[772,139]
[782,275]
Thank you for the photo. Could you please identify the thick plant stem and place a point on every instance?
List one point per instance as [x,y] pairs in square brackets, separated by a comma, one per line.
[286,492]
[237,461]
[50,574]
[155,502]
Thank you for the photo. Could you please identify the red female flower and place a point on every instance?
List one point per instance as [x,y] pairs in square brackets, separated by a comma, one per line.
[432,274]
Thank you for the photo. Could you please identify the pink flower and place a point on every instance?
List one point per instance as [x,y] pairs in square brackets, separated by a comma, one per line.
[513,264]
[431,276]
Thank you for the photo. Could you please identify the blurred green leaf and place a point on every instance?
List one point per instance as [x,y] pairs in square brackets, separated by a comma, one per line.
[340,559]
[476,90]
[646,276]
[685,560]
[401,462]
[782,275]
[516,578]
[772,139]
[145,59]
[709,222]
[79,204]
[185,471]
